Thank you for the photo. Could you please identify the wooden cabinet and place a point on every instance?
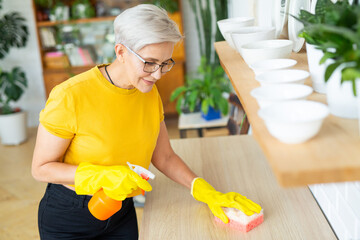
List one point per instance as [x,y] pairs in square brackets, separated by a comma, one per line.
[69,47]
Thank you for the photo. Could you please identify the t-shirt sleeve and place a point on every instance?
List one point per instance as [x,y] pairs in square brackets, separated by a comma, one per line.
[58,117]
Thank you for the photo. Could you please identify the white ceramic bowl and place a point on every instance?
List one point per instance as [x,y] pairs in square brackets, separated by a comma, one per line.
[251,34]
[266,49]
[271,94]
[232,24]
[272,64]
[282,76]
[294,121]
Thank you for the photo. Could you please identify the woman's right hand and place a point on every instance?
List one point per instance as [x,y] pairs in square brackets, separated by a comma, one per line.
[116,181]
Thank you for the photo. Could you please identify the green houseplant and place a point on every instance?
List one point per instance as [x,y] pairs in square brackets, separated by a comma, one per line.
[14,34]
[334,29]
[204,89]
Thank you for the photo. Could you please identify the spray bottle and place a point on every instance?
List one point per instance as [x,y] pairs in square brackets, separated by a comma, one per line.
[102,207]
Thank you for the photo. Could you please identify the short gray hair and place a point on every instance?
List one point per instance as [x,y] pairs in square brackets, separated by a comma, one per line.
[145,24]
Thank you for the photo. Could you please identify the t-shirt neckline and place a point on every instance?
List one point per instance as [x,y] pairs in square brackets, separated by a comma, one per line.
[103,81]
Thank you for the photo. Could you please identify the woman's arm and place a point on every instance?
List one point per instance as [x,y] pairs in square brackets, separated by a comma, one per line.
[47,165]
[168,162]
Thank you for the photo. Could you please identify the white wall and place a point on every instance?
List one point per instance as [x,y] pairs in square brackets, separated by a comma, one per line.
[241,8]
[191,39]
[28,59]
[340,203]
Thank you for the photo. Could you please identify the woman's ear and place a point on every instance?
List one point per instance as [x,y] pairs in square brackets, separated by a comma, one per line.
[119,51]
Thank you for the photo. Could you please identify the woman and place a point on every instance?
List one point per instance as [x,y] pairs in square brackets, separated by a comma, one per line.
[97,121]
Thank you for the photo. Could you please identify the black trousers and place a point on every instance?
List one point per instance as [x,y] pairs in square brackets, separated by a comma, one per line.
[64,215]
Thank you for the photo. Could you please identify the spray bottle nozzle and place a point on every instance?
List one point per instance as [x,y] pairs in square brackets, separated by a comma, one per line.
[144,173]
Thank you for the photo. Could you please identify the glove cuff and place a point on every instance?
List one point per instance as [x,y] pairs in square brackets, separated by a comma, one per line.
[192,186]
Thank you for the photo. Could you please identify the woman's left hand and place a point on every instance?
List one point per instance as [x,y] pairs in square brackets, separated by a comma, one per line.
[204,192]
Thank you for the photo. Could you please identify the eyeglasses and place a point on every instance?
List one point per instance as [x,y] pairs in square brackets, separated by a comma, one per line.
[151,67]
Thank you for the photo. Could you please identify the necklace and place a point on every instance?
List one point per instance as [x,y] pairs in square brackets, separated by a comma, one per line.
[109,75]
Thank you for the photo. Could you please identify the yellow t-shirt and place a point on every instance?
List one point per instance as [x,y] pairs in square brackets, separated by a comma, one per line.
[108,125]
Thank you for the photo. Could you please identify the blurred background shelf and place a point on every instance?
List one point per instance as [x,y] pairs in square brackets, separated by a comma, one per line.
[70,45]
[77,21]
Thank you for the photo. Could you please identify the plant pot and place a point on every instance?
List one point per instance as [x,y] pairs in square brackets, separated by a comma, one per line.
[13,128]
[316,70]
[187,110]
[211,115]
[340,97]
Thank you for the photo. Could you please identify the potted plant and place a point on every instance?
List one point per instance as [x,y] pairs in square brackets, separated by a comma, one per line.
[334,29]
[14,33]
[206,90]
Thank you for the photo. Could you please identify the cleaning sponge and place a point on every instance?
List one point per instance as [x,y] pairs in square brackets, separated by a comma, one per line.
[240,221]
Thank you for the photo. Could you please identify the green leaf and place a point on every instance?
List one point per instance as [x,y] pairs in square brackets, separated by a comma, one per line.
[205,106]
[351,74]
[179,104]
[175,94]
[218,72]
[224,106]
[12,85]
[192,100]
[212,103]
[14,32]
[320,8]
[330,70]
[327,55]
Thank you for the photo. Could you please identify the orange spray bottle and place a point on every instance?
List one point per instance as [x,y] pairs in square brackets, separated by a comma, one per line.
[102,207]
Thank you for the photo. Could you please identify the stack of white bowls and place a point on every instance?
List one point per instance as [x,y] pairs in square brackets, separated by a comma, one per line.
[287,114]
[282,94]
[227,26]
[253,42]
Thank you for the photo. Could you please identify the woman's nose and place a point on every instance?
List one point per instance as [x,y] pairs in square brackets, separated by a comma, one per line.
[157,74]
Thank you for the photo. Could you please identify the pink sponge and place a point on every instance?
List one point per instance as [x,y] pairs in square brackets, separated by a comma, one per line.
[240,221]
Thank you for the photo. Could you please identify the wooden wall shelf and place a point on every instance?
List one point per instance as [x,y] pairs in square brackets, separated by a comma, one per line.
[331,156]
[78,21]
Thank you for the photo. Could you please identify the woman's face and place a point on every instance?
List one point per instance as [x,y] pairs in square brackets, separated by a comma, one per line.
[156,53]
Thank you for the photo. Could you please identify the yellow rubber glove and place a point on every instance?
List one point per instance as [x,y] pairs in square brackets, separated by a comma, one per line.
[116,181]
[204,192]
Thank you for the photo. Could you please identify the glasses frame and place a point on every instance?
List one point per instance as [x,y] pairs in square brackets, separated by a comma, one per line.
[153,63]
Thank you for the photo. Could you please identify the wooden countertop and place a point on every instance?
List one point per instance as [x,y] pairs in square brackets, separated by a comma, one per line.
[331,156]
[231,163]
